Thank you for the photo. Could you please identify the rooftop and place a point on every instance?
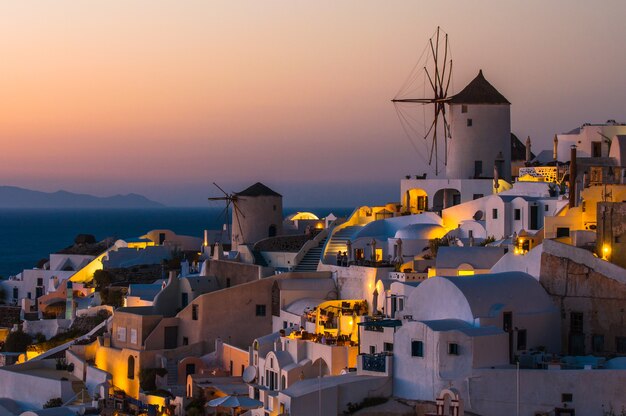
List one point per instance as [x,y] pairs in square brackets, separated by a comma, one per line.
[258,189]
[479,91]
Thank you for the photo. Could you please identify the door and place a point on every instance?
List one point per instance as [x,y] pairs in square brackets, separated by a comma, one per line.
[534,217]
[170,337]
[184,299]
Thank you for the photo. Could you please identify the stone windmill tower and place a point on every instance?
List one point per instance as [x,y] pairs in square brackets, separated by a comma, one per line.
[480,129]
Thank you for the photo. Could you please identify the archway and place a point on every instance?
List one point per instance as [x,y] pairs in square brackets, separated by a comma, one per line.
[320,367]
[130,370]
[445,198]
[449,403]
[415,201]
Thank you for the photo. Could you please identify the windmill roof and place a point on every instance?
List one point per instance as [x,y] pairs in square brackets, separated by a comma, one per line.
[258,189]
[479,91]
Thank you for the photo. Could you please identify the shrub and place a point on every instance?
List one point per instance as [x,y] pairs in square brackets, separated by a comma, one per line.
[17,341]
[55,402]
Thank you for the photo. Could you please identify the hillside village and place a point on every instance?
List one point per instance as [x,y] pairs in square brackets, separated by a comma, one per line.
[495,289]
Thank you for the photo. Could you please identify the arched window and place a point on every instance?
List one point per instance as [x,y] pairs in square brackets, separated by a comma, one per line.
[131,367]
[283,382]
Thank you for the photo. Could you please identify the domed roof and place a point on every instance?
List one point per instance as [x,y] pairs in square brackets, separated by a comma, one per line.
[420,232]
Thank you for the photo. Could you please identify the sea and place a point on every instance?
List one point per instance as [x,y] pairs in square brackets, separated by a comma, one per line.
[29,235]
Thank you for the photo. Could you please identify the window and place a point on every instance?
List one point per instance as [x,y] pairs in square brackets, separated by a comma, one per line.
[228,282]
[478,168]
[372,349]
[185,341]
[453,348]
[518,214]
[15,293]
[260,310]
[39,281]
[494,213]
[477,196]
[133,336]
[597,343]
[28,295]
[521,339]
[546,208]
[567,397]
[194,312]
[464,108]
[469,122]
[620,345]
[283,382]
[562,232]
[576,322]
[388,347]
[417,348]
[121,333]
[507,321]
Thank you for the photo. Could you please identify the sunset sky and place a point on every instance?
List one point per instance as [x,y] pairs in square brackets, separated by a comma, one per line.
[162,98]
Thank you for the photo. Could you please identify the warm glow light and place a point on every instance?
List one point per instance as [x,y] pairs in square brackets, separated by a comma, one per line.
[606,250]
[465,273]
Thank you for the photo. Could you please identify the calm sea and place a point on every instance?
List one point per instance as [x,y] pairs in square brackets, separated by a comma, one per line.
[26,236]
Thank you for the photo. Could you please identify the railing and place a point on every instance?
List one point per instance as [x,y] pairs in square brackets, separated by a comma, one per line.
[375,362]
[309,245]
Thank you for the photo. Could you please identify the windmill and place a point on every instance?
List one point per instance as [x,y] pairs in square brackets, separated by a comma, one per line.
[230,199]
[435,93]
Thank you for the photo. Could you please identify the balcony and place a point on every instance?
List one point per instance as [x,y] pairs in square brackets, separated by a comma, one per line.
[375,364]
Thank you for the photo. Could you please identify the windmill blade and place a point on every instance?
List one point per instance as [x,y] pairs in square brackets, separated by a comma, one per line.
[219,198]
[431,128]
[223,191]
[445,94]
[413,100]
[236,211]
[236,208]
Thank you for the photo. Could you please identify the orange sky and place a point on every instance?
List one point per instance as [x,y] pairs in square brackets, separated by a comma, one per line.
[163,97]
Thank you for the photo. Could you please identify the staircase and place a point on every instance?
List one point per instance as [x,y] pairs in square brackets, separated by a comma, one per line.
[172,372]
[311,259]
[338,242]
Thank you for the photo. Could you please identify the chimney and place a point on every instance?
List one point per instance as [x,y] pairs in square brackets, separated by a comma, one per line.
[528,149]
[555,145]
[572,178]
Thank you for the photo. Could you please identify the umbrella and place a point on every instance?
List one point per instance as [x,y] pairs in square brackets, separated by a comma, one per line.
[373,245]
[399,253]
[349,248]
[236,401]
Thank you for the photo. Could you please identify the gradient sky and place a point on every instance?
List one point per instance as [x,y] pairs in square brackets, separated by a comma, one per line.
[163,97]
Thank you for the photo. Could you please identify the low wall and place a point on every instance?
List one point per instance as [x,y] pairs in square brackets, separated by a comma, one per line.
[47,327]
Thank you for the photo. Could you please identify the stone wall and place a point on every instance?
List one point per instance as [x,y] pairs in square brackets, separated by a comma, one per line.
[582,284]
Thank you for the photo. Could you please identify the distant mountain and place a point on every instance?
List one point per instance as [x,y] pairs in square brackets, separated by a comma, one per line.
[14,197]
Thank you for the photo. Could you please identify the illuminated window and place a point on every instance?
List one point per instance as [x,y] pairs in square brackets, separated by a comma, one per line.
[465,273]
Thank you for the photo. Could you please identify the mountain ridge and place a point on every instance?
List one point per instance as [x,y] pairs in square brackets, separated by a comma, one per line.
[16,197]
